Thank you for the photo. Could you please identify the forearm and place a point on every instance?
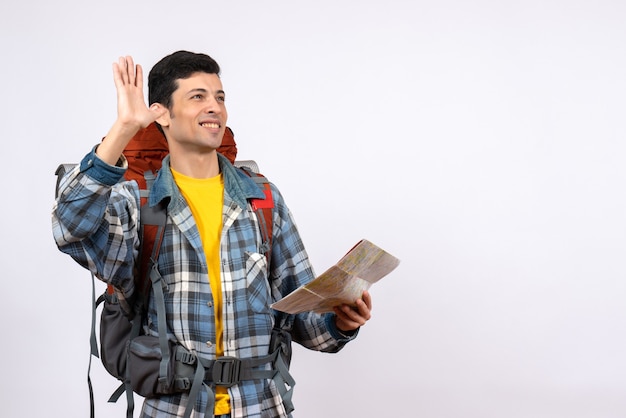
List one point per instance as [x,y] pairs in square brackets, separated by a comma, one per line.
[113,144]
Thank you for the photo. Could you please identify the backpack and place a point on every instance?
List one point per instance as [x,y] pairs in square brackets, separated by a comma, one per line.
[160,366]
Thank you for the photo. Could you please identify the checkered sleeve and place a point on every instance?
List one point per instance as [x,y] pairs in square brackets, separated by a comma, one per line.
[95,220]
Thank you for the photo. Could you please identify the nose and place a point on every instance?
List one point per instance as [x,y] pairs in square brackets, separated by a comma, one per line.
[212,106]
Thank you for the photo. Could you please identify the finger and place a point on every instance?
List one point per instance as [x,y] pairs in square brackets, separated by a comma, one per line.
[350,318]
[139,77]
[362,310]
[117,75]
[130,67]
[354,313]
[367,298]
[343,321]
[123,68]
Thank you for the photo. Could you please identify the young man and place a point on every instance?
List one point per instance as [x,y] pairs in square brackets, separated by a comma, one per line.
[219,283]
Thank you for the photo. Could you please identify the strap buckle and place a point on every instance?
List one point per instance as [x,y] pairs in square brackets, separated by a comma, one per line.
[226,371]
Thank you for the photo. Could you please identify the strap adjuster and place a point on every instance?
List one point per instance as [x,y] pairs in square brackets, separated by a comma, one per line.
[226,371]
[184,356]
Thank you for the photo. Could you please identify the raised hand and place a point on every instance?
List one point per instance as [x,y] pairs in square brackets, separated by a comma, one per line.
[131,107]
[132,111]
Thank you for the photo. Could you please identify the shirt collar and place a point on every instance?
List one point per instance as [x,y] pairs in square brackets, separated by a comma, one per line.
[237,184]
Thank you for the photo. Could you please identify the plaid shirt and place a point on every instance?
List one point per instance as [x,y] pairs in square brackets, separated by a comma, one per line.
[96,221]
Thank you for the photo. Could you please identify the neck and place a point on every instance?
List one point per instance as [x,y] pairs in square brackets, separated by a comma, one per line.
[199,166]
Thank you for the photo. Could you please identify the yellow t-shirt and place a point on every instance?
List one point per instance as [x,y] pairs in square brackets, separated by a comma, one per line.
[205,197]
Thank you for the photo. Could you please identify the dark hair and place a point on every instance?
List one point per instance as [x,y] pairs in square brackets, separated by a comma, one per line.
[164,76]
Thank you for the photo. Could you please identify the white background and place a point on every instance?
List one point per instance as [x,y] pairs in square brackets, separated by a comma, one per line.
[481,142]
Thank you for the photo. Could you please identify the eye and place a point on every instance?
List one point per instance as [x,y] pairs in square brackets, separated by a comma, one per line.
[197,96]
[221,99]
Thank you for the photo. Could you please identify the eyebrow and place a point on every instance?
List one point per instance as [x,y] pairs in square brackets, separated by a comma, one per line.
[202,90]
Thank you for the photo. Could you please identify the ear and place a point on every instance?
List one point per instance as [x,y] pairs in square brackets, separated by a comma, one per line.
[159,109]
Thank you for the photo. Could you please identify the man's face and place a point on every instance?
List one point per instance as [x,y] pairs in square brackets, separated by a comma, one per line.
[197,119]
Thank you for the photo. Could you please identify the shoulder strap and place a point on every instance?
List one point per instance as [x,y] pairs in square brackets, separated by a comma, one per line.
[152,228]
[263,209]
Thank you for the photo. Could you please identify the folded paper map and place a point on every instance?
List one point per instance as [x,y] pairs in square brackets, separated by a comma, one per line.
[344,282]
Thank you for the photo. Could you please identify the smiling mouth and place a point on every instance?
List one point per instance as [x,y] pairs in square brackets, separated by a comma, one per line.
[212,125]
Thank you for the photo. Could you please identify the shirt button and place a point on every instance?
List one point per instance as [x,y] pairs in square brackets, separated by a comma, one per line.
[209,304]
[209,344]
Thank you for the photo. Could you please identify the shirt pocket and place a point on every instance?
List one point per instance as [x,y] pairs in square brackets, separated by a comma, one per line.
[258,287]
